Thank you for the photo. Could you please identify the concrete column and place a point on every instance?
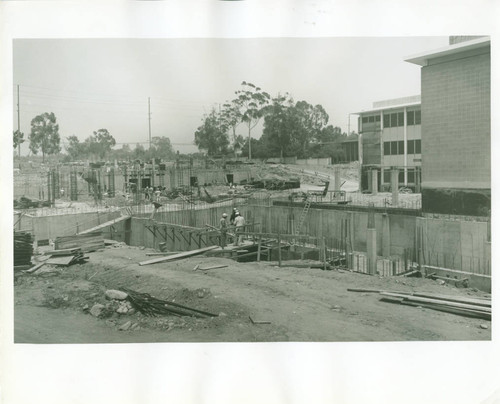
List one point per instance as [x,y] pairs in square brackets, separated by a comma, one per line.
[371,250]
[337,179]
[487,258]
[369,178]
[405,147]
[374,181]
[386,235]
[395,187]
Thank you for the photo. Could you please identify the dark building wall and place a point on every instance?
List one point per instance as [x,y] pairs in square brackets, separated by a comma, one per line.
[371,148]
[456,129]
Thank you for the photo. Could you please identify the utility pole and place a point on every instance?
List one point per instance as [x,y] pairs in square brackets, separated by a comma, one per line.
[18,124]
[153,174]
[149,120]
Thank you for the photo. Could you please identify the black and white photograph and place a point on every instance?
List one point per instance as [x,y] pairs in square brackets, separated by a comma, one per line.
[181,194]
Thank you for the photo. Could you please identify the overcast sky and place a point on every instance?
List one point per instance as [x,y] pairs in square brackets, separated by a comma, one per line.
[105,83]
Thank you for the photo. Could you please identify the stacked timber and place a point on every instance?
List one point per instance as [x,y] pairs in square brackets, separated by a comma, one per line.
[23,248]
[478,307]
[469,307]
[86,242]
[66,257]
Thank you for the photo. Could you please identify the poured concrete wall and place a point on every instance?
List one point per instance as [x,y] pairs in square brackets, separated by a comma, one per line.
[50,227]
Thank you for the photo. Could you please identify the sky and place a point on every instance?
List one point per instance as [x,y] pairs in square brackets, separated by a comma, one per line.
[105,83]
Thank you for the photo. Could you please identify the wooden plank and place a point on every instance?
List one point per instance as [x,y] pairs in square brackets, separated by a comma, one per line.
[178,256]
[66,260]
[36,267]
[458,299]
[213,267]
[258,321]
[106,224]
[454,310]
[436,301]
[62,252]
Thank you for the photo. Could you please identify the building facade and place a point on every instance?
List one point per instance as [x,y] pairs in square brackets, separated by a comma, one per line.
[390,136]
[456,127]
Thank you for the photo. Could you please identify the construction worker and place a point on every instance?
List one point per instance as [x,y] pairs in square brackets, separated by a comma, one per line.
[233,216]
[223,230]
[239,222]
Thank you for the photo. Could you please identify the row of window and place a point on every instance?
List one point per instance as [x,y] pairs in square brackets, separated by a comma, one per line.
[398,119]
[371,119]
[401,176]
[397,147]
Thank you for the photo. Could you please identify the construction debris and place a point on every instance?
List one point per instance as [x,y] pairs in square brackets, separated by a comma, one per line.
[178,256]
[197,267]
[258,321]
[86,242]
[23,248]
[151,306]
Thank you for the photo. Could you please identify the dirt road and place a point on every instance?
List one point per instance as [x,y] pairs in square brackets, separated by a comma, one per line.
[299,304]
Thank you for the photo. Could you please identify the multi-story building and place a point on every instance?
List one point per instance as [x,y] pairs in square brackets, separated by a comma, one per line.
[390,135]
[456,127]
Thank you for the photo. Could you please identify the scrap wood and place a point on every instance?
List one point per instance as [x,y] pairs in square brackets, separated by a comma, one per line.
[63,252]
[162,253]
[437,301]
[454,310]
[177,256]
[152,306]
[35,268]
[458,299]
[212,267]
[258,321]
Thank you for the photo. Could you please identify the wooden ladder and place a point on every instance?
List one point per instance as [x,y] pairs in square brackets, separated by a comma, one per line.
[303,215]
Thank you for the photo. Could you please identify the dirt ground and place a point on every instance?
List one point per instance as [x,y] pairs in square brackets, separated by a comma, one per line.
[300,304]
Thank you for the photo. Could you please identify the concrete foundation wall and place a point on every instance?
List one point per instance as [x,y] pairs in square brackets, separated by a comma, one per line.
[50,227]
[325,161]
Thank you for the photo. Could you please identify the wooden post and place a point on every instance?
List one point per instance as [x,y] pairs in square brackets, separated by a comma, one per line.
[324,253]
[279,248]
[258,249]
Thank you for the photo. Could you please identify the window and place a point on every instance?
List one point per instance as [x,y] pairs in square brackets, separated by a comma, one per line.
[387,176]
[394,120]
[418,146]
[387,121]
[371,119]
[411,176]
[401,176]
[410,117]
[387,148]
[417,117]
[401,147]
[394,148]
[401,118]
[365,119]
[377,118]
[411,147]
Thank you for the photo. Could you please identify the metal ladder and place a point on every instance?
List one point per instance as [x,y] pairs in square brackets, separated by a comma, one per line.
[303,215]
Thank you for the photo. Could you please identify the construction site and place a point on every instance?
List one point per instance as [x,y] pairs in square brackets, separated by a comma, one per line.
[133,252]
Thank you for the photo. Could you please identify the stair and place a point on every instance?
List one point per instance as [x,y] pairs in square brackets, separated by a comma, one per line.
[303,215]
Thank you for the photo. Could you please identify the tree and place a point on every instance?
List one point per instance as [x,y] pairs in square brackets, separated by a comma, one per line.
[212,134]
[75,149]
[161,147]
[44,135]
[139,152]
[251,103]
[280,123]
[18,138]
[312,120]
[104,142]
[232,118]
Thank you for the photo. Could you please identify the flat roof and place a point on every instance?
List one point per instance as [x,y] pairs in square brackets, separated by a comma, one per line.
[422,58]
[387,108]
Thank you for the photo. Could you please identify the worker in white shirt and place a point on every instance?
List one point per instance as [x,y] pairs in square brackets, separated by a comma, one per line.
[239,223]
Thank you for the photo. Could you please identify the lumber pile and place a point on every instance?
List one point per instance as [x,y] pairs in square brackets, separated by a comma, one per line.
[151,306]
[178,256]
[86,242]
[23,248]
[66,257]
[477,307]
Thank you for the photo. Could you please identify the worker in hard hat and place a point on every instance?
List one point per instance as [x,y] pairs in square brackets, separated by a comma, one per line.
[239,223]
[223,230]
